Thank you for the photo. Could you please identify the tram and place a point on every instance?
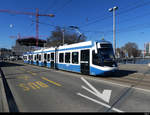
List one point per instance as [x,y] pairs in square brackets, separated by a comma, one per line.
[90,57]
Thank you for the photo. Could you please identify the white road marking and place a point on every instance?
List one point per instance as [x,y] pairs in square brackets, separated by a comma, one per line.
[96,101]
[105,95]
[122,85]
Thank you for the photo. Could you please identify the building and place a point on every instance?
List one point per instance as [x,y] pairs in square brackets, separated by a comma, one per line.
[147,49]
[19,49]
[5,53]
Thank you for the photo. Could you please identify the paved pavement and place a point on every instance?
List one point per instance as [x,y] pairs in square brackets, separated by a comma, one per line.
[39,89]
[140,68]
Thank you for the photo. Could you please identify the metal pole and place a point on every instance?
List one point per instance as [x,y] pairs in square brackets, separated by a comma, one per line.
[114,39]
[63,36]
[37,26]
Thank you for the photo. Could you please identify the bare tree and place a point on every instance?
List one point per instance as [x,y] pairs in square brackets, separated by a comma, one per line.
[120,52]
[56,37]
[132,49]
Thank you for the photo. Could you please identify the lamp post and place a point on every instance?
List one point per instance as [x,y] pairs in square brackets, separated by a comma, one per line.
[63,40]
[77,29]
[114,34]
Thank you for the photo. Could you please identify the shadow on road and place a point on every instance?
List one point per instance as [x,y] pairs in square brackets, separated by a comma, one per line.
[8,64]
[119,73]
[123,73]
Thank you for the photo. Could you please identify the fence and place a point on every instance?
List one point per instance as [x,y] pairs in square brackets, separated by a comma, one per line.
[133,60]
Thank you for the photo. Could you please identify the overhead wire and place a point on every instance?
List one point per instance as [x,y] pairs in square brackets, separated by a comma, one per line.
[52,5]
[122,8]
[120,13]
[63,6]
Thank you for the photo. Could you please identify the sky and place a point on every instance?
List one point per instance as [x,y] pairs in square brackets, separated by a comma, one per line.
[91,17]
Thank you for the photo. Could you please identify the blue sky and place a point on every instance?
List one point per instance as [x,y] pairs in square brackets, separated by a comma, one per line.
[91,16]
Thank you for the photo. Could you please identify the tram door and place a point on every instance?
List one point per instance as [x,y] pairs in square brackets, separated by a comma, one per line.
[56,58]
[52,60]
[85,62]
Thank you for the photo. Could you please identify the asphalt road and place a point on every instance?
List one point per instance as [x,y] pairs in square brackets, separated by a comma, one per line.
[39,89]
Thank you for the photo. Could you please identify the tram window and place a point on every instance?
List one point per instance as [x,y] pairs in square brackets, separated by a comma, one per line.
[95,58]
[34,57]
[39,57]
[52,56]
[45,56]
[84,55]
[61,57]
[25,57]
[48,57]
[31,57]
[75,59]
[67,57]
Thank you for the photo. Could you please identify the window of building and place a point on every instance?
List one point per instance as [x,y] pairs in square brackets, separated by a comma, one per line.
[75,58]
[61,57]
[67,57]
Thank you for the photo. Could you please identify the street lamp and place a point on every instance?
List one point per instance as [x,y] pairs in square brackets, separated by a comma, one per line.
[63,32]
[77,29]
[114,39]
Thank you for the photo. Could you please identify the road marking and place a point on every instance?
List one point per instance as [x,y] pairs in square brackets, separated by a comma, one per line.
[22,69]
[96,101]
[122,85]
[25,88]
[105,95]
[33,85]
[24,77]
[33,73]
[41,84]
[57,84]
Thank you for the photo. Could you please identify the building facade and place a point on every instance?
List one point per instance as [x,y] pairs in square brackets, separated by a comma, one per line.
[147,49]
[5,53]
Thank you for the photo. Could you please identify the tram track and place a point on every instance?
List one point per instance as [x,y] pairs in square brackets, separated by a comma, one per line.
[135,79]
[131,80]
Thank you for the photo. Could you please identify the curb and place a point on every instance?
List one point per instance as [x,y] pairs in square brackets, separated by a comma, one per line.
[3,99]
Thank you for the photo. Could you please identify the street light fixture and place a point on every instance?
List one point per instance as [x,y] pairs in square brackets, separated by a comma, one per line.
[63,31]
[71,27]
[76,28]
[114,39]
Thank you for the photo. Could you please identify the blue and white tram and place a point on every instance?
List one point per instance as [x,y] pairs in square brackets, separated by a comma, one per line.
[90,57]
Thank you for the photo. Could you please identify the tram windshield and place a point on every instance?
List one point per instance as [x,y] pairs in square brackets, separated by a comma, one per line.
[106,53]
[104,57]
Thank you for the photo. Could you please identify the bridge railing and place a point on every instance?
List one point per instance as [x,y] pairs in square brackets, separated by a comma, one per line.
[133,60]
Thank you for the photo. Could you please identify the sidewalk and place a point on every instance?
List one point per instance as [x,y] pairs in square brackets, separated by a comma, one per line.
[140,68]
[3,100]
